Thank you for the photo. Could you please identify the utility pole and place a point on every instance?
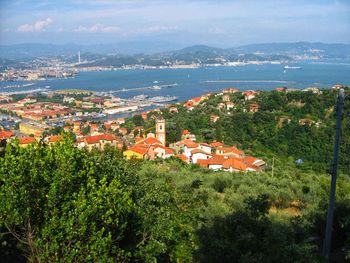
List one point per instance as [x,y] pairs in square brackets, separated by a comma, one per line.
[327,244]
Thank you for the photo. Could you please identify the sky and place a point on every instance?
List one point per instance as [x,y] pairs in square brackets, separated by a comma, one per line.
[220,23]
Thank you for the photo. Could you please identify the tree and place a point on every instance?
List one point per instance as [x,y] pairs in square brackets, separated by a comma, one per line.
[63,205]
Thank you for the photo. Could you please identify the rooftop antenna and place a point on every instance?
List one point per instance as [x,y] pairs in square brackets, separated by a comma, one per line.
[330,214]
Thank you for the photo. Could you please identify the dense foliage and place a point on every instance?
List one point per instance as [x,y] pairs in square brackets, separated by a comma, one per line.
[60,203]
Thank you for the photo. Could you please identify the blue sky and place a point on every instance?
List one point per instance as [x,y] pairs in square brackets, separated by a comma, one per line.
[222,23]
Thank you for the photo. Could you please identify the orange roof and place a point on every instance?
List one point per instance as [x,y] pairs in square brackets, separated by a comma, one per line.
[231,150]
[182,157]
[6,134]
[26,140]
[167,149]
[279,89]
[216,159]
[216,144]
[199,151]
[203,162]
[235,163]
[150,141]
[196,100]
[185,132]
[97,138]
[140,149]
[190,144]
[55,138]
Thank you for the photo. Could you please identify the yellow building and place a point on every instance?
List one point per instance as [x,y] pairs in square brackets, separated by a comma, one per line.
[35,129]
[137,152]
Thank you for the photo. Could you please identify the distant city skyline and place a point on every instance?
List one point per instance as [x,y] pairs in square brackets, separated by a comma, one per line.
[216,23]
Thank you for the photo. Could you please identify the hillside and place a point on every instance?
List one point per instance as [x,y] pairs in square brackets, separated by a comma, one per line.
[62,203]
[295,50]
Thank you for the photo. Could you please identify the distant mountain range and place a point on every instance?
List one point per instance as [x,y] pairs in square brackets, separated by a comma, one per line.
[32,50]
[118,55]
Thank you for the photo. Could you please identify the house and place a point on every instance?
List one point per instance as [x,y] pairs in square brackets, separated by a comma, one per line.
[193,102]
[254,107]
[215,163]
[149,141]
[338,86]
[221,106]
[188,146]
[216,144]
[25,141]
[99,141]
[314,90]
[280,89]
[121,120]
[114,126]
[230,105]
[229,151]
[162,151]
[144,115]
[255,161]
[226,98]
[53,139]
[186,135]
[230,90]
[249,94]
[205,147]
[197,154]
[231,164]
[123,131]
[214,118]
[173,110]
[182,157]
[5,135]
[137,152]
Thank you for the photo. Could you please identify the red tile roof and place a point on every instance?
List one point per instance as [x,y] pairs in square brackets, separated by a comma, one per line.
[26,140]
[234,163]
[230,150]
[167,149]
[199,151]
[140,149]
[185,132]
[182,157]
[6,135]
[216,144]
[97,138]
[55,138]
[150,141]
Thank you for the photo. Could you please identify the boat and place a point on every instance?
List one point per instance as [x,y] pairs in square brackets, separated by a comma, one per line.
[163,98]
[155,82]
[292,67]
[155,87]
[140,97]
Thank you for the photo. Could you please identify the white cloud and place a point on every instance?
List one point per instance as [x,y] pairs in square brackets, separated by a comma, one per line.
[98,28]
[156,29]
[38,26]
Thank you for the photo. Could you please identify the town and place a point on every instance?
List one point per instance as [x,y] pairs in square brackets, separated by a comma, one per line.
[94,121]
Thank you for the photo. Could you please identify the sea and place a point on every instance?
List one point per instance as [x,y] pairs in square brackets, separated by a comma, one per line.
[189,83]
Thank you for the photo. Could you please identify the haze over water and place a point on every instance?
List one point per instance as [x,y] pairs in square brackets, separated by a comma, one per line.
[195,82]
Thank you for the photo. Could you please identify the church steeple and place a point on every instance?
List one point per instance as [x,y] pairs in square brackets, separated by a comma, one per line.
[160,129]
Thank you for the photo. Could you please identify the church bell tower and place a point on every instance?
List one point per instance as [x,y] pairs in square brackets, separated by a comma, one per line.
[160,129]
